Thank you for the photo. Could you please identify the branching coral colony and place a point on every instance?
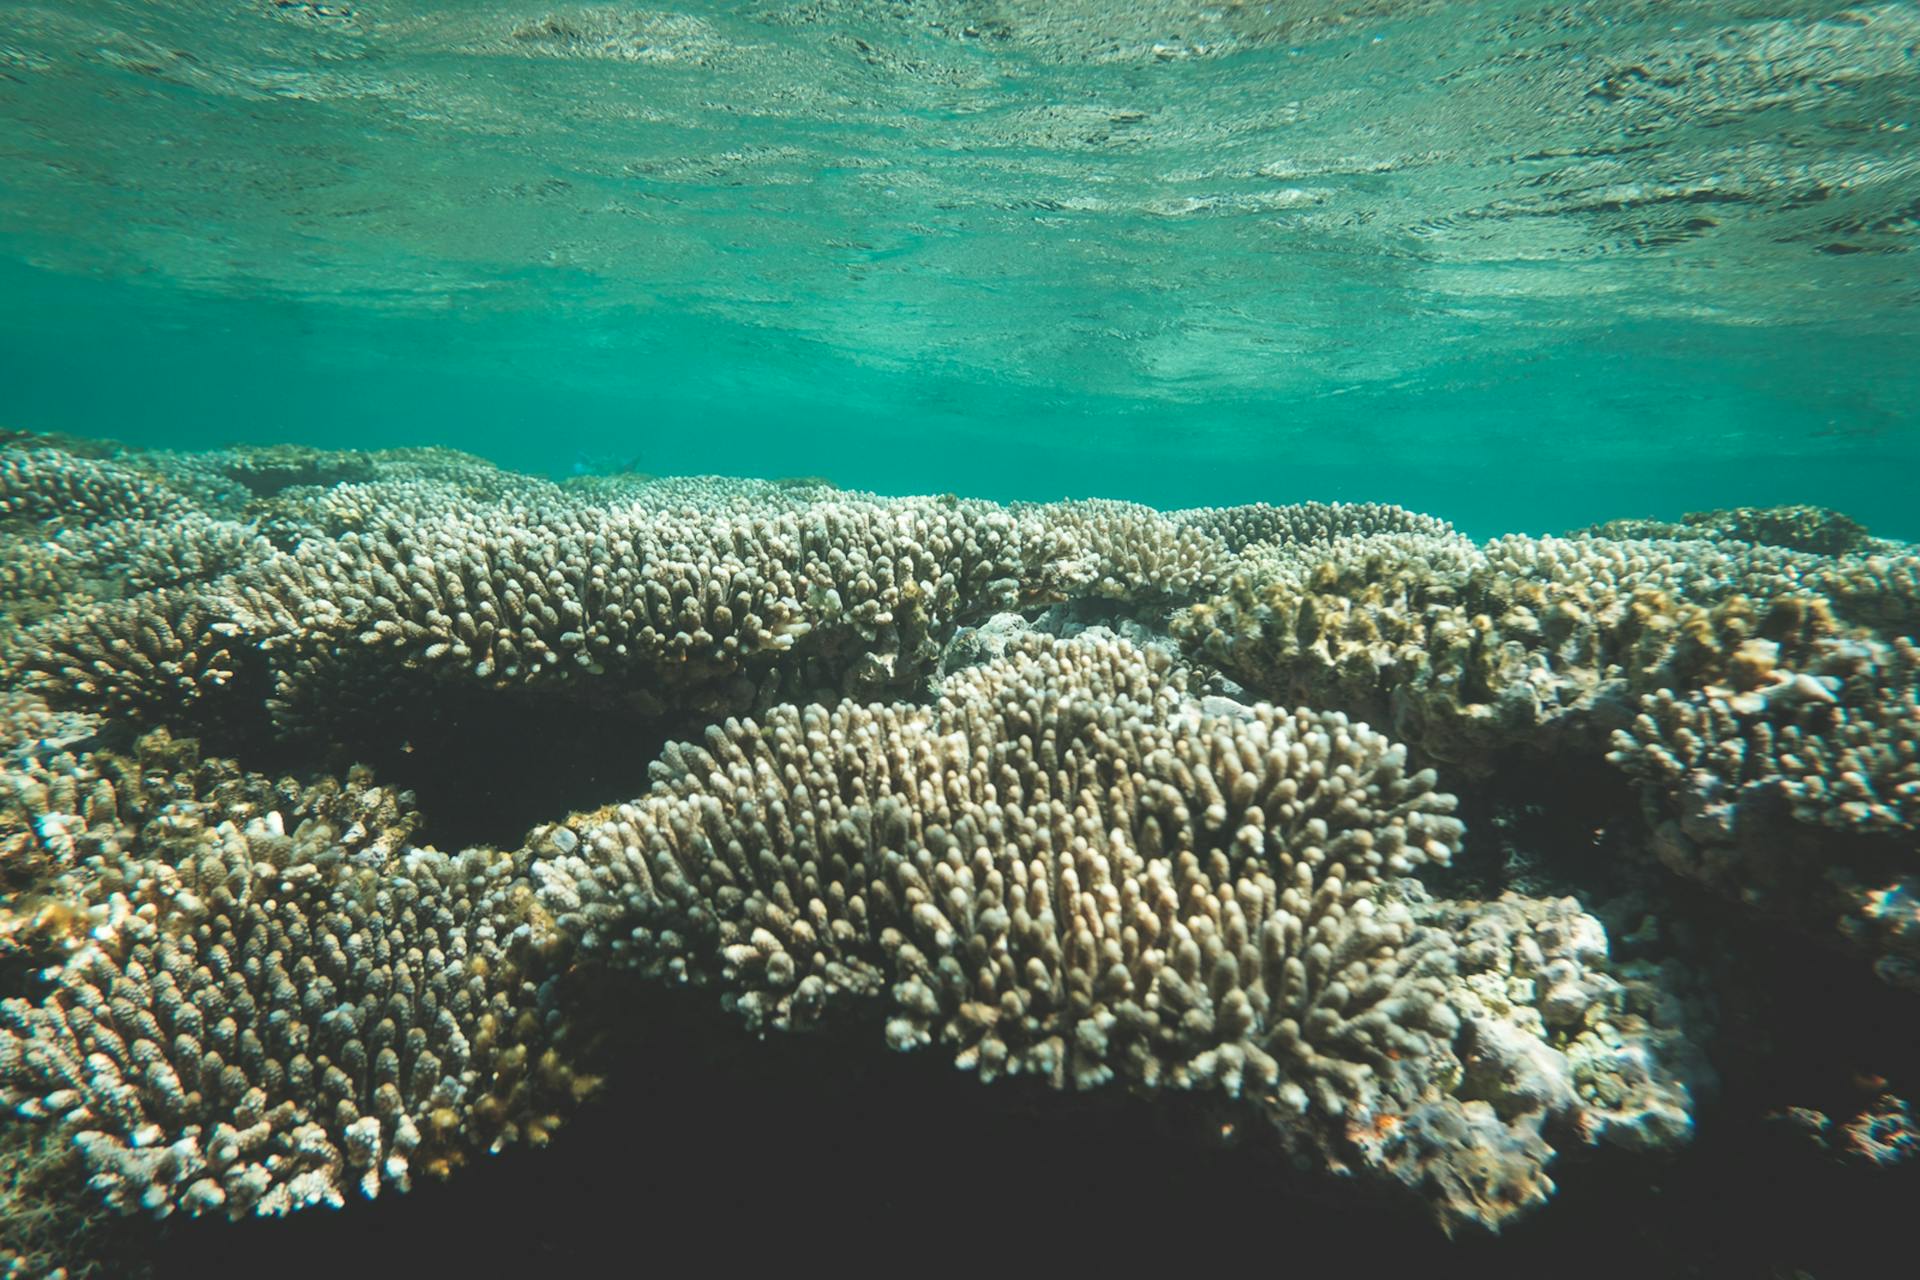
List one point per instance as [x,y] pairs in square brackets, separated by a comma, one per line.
[1081,791]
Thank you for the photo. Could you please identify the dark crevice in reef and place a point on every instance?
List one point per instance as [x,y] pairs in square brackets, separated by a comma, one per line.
[267,470]
[20,975]
[487,766]
[1544,824]
[485,770]
[1797,1026]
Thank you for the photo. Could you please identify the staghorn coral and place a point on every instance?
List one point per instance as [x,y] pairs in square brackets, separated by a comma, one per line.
[174,651]
[255,996]
[679,607]
[51,571]
[29,733]
[146,554]
[1803,528]
[76,530]
[690,597]
[78,446]
[1069,868]
[1104,550]
[1879,590]
[297,515]
[1871,588]
[708,493]
[38,579]
[1404,629]
[1834,736]
[1768,553]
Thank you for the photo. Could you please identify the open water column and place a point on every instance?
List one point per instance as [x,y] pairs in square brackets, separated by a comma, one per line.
[870,632]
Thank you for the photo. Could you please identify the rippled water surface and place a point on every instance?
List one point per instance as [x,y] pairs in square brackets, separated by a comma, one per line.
[1512,262]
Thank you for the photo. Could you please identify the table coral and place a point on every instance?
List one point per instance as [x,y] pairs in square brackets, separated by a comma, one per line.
[1069,867]
[666,607]
[1467,651]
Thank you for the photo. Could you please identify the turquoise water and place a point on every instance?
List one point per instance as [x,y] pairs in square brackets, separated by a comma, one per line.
[1524,267]
[1527,268]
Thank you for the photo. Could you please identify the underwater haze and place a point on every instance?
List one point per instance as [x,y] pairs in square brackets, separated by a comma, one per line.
[1101,636]
[1522,266]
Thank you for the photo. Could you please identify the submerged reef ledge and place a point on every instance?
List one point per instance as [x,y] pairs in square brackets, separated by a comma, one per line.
[1414,859]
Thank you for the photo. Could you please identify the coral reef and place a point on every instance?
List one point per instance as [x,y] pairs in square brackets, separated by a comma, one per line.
[53,484]
[76,530]
[51,1226]
[1759,690]
[90,838]
[1795,789]
[1802,528]
[1882,1132]
[1070,868]
[1121,802]
[268,470]
[1555,1023]
[668,607]
[1066,867]
[1469,651]
[1833,737]
[279,1020]
[1243,528]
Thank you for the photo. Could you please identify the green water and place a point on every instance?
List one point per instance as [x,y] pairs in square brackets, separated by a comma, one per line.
[1524,267]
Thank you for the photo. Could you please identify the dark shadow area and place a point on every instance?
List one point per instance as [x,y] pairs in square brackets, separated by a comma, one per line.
[1798,1026]
[266,471]
[828,1151]
[812,1151]
[1801,1024]
[1544,823]
[484,769]
[484,766]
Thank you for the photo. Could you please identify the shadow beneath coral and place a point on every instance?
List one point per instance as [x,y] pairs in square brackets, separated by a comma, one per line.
[817,1150]
[827,1151]
[486,769]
